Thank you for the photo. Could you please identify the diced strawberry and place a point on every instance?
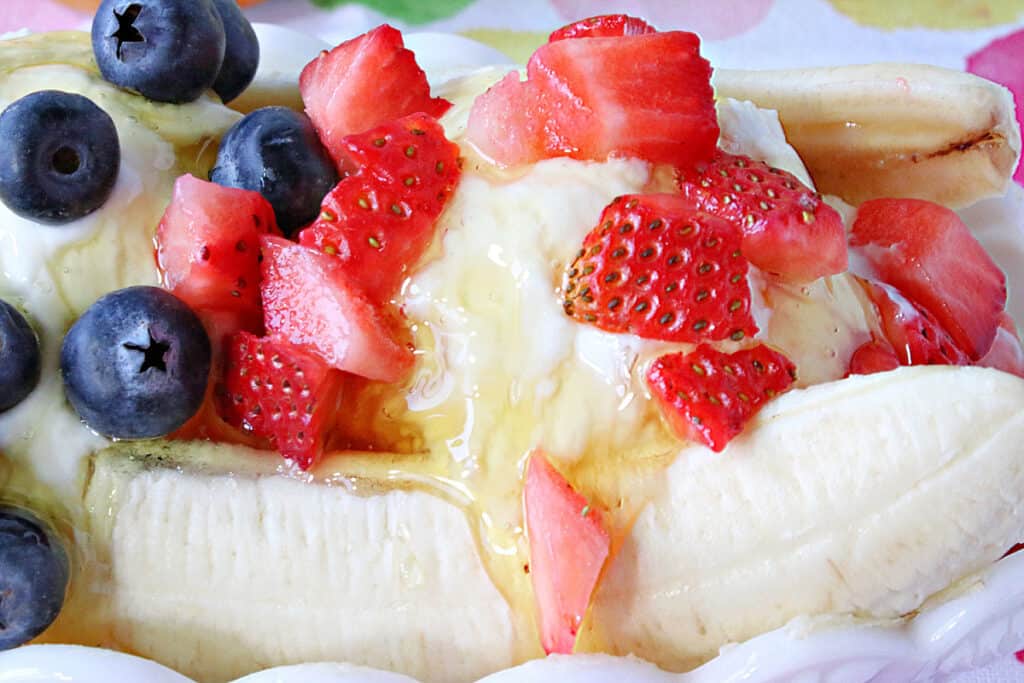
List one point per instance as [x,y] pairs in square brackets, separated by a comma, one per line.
[873,356]
[1006,353]
[657,268]
[362,83]
[309,301]
[208,248]
[568,548]
[914,334]
[380,220]
[787,230]
[646,96]
[604,26]
[926,252]
[709,396]
[279,392]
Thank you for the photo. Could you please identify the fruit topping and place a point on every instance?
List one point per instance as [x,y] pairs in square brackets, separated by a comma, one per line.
[281,393]
[167,50]
[136,363]
[604,26]
[709,396]
[1006,353]
[34,573]
[20,361]
[646,96]
[208,249]
[241,52]
[60,157]
[310,301]
[276,152]
[362,83]
[926,252]
[873,356]
[657,268]
[787,230]
[913,333]
[381,219]
[568,548]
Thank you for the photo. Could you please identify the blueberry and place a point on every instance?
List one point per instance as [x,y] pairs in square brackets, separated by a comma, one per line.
[60,157]
[34,573]
[167,50]
[19,357]
[241,52]
[136,363]
[276,152]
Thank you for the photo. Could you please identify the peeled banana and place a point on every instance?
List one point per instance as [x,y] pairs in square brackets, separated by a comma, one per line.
[890,130]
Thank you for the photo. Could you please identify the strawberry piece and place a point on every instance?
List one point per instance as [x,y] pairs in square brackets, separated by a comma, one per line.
[604,26]
[568,548]
[926,252]
[208,249]
[380,220]
[1019,655]
[871,357]
[1006,353]
[708,396]
[362,83]
[279,392]
[309,301]
[646,96]
[914,334]
[656,268]
[787,230]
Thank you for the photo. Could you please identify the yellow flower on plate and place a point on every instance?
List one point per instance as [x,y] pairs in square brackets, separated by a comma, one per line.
[939,14]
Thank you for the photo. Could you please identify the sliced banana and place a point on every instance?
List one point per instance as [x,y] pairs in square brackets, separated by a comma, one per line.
[891,130]
[861,497]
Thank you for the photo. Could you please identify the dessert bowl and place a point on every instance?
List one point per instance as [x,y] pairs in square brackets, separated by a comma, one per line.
[884,500]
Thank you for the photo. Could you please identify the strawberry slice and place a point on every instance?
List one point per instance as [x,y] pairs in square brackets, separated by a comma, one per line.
[380,220]
[362,83]
[787,230]
[208,249]
[646,96]
[656,268]
[926,252]
[568,548]
[1006,353]
[309,301]
[709,396]
[873,356]
[279,392]
[913,333]
[604,26]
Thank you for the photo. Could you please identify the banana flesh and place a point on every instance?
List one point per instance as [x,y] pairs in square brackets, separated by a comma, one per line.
[861,497]
[856,497]
[890,130]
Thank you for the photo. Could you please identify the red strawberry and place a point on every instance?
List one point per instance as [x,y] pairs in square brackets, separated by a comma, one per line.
[873,356]
[787,230]
[277,391]
[708,396]
[926,252]
[208,248]
[568,548]
[914,334]
[381,220]
[362,83]
[1006,353]
[604,26]
[309,301]
[646,96]
[656,268]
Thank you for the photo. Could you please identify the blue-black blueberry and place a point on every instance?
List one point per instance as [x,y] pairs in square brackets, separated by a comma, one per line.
[59,156]
[20,361]
[241,52]
[136,363]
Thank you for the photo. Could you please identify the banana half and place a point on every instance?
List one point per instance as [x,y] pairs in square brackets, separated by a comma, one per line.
[891,130]
[861,497]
